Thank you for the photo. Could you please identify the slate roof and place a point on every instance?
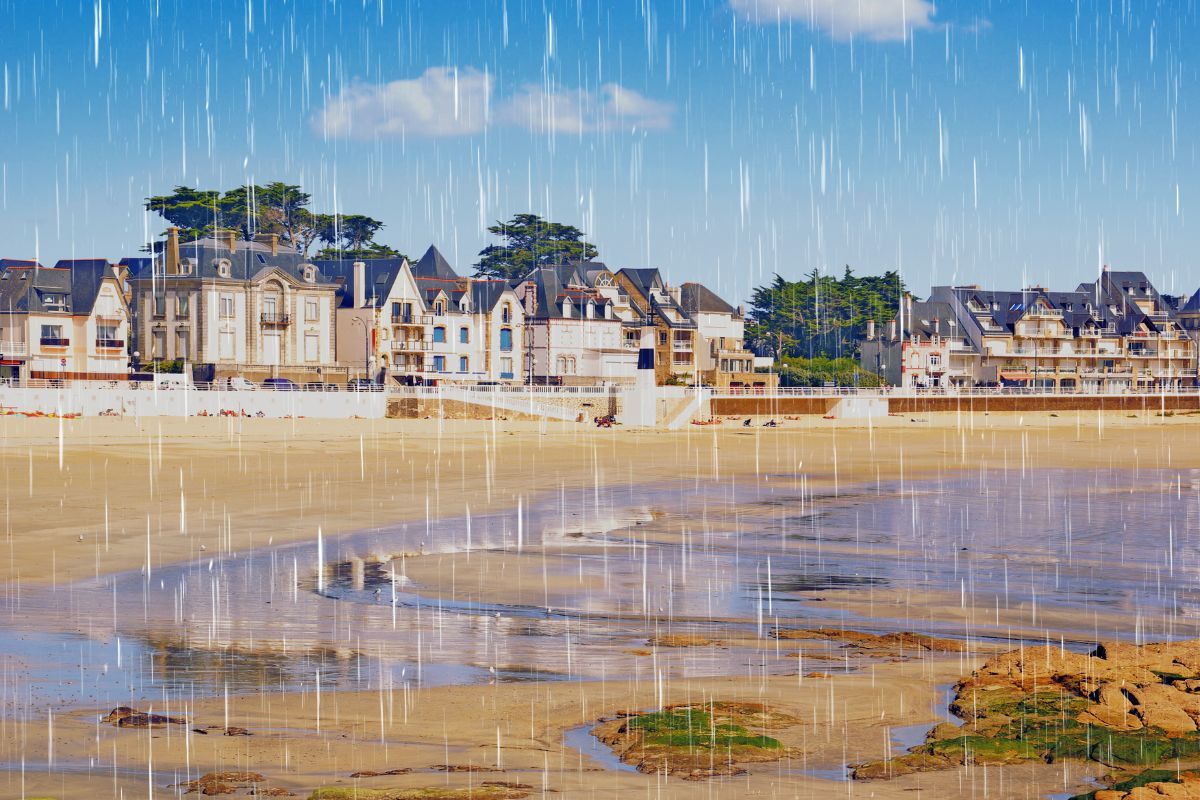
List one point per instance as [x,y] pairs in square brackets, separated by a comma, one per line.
[24,289]
[434,265]
[245,263]
[554,283]
[698,298]
[380,274]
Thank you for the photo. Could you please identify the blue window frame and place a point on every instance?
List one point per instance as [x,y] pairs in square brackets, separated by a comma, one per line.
[439,363]
[462,363]
[506,340]
[439,334]
[464,335]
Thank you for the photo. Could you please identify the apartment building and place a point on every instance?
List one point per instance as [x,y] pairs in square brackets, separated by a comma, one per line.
[65,322]
[423,323]
[574,335]
[1113,335]
[228,307]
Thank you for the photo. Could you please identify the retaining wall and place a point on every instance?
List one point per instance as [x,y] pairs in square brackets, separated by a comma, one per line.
[150,402]
[1079,402]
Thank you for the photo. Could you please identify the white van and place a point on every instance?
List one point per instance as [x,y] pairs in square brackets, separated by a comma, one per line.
[240,384]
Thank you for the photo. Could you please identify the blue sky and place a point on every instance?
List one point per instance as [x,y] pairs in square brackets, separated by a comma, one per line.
[1005,143]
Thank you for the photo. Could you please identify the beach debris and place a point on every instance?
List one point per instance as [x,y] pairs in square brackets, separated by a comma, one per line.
[366,773]
[463,768]
[218,783]
[699,741]
[487,790]
[126,717]
[904,640]
[680,640]
[1122,705]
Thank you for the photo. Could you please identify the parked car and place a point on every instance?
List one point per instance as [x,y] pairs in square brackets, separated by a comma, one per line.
[362,385]
[280,385]
[238,383]
[321,387]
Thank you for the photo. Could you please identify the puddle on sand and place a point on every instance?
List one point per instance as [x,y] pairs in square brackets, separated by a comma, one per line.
[906,737]
[581,739]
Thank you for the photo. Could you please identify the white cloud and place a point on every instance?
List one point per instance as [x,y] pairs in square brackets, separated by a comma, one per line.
[445,101]
[613,107]
[881,20]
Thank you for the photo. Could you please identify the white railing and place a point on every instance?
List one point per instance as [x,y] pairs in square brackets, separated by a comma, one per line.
[14,348]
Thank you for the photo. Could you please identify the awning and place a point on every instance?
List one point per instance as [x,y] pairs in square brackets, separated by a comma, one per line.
[1015,376]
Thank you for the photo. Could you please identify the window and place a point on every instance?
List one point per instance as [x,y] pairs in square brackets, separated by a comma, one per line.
[464,335]
[312,347]
[160,305]
[183,341]
[54,302]
[312,311]
[106,331]
[52,336]
[439,363]
[462,362]
[662,337]
[439,308]
[506,313]
[395,312]
[506,340]
[935,360]
[439,334]
[226,345]
[227,307]
[158,345]
[506,368]
[181,305]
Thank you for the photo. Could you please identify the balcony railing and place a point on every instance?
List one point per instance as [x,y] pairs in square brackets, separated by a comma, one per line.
[110,343]
[272,318]
[53,341]
[412,345]
[412,319]
[13,348]
[685,345]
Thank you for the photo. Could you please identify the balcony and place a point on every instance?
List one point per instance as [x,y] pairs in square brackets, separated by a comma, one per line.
[682,346]
[51,341]
[272,318]
[14,349]
[110,344]
[411,345]
[412,319]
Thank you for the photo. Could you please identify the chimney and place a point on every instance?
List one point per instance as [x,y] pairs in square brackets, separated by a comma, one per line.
[230,240]
[171,262]
[937,326]
[870,330]
[676,293]
[892,330]
[273,239]
[360,284]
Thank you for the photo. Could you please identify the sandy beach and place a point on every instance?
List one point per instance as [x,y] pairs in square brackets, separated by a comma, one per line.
[90,498]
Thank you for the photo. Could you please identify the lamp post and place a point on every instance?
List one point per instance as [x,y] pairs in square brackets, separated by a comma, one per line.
[366,345]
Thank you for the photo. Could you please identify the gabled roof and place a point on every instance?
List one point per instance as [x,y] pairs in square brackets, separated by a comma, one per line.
[380,275]
[245,261]
[434,265]
[698,298]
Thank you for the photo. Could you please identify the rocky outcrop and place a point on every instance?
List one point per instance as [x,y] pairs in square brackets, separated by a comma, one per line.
[126,717]
[1122,705]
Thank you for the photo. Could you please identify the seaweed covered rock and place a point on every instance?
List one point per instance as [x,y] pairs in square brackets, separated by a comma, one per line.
[698,741]
[1121,705]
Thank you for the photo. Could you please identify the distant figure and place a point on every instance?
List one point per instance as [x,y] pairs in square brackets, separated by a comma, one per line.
[770,424]
[747,423]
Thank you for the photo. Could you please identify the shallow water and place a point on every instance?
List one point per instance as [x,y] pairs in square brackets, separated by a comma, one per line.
[1078,554]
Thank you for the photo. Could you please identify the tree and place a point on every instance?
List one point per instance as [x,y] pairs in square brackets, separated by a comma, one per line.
[280,208]
[820,316]
[194,211]
[529,242]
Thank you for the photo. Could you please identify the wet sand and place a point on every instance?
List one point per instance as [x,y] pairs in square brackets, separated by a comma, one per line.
[147,495]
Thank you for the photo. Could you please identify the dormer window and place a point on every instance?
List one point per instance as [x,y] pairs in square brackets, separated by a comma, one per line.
[223,267]
[591,309]
[439,308]
[506,313]
[54,302]
[310,273]
[566,307]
